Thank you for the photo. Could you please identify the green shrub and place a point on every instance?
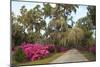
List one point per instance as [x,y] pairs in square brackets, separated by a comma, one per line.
[19,55]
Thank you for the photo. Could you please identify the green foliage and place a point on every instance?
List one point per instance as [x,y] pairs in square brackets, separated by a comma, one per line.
[86,24]
[17,34]
[33,37]
[57,24]
[92,14]
[75,36]
[47,10]
[28,25]
[30,38]
[19,55]
[31,19]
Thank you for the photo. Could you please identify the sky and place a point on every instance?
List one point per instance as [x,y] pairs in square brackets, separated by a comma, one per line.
[16,6]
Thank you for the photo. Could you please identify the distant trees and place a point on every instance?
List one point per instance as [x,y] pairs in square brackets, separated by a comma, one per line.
[88,23]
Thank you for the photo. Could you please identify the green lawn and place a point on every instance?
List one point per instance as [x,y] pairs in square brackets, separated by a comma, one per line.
[90,56]
[44,60]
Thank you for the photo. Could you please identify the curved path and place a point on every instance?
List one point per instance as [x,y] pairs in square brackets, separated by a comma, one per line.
[72,55]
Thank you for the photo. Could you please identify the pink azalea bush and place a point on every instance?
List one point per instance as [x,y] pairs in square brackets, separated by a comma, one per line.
[62,49]
[50,47]
[84,49]
[93,49]
[35,51]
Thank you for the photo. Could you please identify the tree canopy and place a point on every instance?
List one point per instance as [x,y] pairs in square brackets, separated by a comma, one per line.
[28,25]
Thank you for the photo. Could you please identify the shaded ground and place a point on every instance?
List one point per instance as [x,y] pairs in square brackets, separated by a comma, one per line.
[72,55]
[89,55]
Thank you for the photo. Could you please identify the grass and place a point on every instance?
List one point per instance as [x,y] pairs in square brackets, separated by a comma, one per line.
[90,56]
[44,60]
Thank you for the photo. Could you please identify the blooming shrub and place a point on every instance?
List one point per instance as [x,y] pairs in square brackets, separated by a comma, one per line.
[35,51]
[83,48]
[50,47]
[62,49]
[93,49]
